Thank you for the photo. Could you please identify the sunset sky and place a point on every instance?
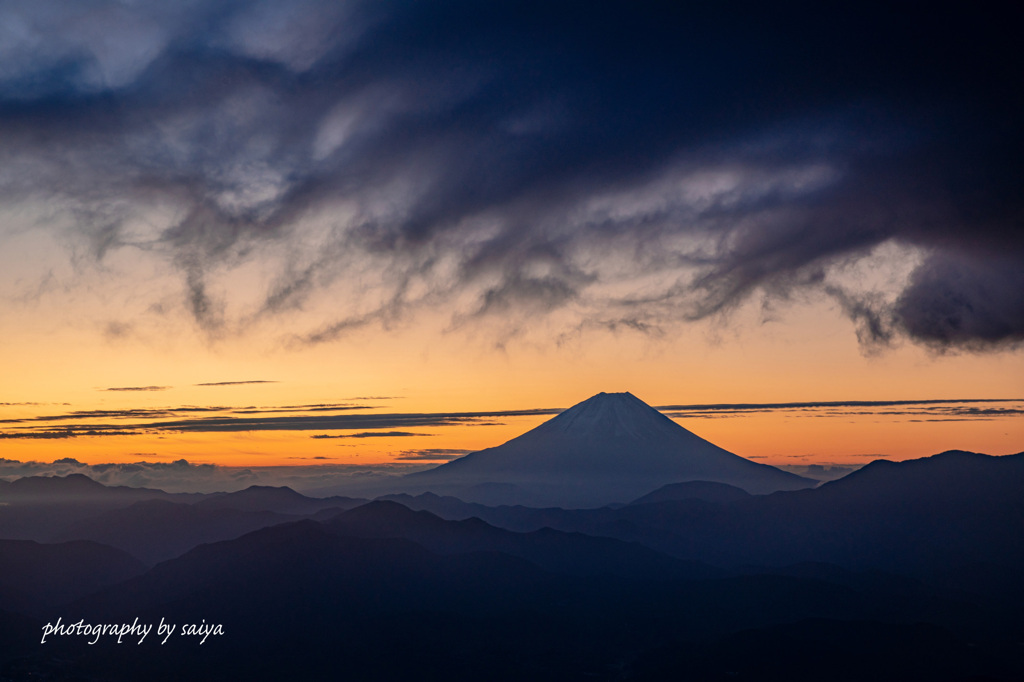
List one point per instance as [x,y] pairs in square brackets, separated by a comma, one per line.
[320,232]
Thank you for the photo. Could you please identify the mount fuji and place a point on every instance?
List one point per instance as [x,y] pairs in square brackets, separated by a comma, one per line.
[610,448]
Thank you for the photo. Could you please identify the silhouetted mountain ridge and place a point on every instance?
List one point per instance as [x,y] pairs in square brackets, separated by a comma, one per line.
[553,550]
[917,516]
[281,499]
[71,488]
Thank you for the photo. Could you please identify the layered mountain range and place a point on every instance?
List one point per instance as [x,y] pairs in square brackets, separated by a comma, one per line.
[899,571]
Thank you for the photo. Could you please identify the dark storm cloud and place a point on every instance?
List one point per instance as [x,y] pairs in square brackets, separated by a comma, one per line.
[527,155]
[954,300]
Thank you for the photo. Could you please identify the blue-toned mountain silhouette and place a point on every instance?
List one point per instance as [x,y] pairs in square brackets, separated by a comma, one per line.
[610,448]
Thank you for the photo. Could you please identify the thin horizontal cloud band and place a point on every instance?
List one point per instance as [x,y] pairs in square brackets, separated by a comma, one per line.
[168,413]
[303,423]
[836,403]
[363,422]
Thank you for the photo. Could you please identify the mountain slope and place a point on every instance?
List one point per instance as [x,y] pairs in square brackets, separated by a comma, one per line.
[34,577]
[612,447]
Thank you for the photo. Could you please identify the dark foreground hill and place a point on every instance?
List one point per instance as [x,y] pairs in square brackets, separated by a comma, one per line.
[36,578]
[905,571]
[299,601]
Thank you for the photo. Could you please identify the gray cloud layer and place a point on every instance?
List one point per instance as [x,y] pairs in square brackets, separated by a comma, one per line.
[638,164]
[184,476]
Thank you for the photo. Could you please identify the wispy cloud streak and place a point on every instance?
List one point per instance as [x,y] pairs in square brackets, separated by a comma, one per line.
[238,383]
[138,388]
[375,434]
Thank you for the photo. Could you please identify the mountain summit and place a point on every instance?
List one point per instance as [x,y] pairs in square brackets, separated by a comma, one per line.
[607,415]
[612,447]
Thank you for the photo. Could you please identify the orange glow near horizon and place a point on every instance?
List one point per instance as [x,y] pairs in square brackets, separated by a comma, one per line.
[767,439]
[777,437]
[414,369]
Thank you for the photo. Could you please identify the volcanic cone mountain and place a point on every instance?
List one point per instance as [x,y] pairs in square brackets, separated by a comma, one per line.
[612,447]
